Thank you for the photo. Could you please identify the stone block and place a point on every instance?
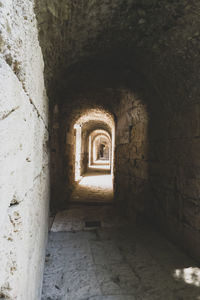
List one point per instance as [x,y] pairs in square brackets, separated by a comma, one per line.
[191,213]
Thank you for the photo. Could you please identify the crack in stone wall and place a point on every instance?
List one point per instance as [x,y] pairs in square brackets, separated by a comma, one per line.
[6,114]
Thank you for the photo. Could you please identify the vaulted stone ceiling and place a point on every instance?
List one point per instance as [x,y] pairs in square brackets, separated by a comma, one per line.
[160,38]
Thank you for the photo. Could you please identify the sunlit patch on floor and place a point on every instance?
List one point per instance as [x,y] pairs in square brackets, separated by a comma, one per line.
[96,186]
[189,275]
[100,165]
[97,181]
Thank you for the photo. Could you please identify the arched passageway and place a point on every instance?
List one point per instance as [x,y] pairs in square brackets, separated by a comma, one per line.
[89,129]
[141,89]
[100,148]
[118,250]
[88,87]
[94,140]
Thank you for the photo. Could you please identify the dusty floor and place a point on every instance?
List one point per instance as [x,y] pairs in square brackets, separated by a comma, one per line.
[93,254]
[114,262]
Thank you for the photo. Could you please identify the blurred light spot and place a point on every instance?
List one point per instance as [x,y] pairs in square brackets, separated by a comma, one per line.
[189,275]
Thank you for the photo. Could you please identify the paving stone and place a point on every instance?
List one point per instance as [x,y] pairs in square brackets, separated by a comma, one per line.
[80,284]
[117,279]
[105,252]
[118,263]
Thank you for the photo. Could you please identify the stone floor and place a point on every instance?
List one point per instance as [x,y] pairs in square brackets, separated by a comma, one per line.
[114,261]
[96,186]
[74,219]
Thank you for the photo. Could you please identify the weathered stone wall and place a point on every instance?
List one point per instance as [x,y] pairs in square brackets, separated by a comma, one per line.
[157,168]
[174,173]
[131,155]
[24,153]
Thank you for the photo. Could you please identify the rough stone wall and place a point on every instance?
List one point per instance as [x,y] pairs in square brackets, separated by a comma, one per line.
[84,152]
[174,173]
[131,155]
[24,153]
[157,168]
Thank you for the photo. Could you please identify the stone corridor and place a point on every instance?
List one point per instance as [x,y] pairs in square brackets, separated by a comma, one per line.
[100,129]
[94,253]
[114,261]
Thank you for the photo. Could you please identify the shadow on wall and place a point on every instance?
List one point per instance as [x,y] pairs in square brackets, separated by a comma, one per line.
[157,167]
[132,148]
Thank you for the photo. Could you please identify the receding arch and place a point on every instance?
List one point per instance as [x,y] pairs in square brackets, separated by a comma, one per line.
[96,121]
[94,135]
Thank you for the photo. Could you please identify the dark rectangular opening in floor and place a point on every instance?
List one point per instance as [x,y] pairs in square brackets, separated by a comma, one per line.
[92,223]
